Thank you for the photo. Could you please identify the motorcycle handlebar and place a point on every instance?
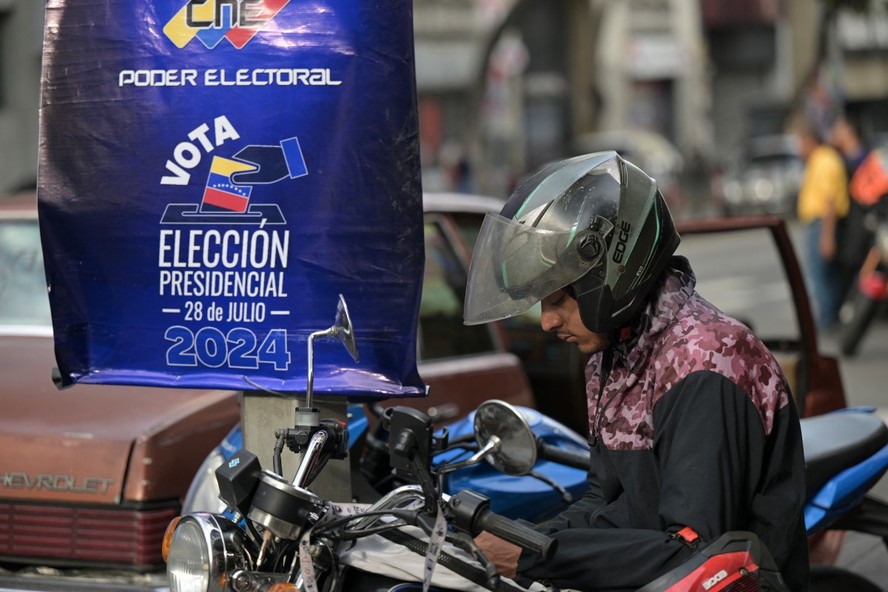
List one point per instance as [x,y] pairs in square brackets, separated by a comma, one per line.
[517,534]
[471,513]
[570,458]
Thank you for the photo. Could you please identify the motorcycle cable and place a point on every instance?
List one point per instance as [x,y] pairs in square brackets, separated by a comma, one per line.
[278,449]
[404,518]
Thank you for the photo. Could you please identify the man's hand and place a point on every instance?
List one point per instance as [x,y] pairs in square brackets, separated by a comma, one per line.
[502,554]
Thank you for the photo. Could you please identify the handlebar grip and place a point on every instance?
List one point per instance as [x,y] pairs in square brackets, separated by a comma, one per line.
[570,458]
[516,533]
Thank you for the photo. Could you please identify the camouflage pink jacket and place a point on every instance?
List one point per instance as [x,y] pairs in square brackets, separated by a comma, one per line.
[693,426]
[682,334]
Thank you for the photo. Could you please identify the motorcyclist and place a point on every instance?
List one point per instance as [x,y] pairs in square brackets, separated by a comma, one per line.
[693,429]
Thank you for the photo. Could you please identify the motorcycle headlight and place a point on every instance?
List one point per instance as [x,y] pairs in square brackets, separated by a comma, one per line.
[204,549]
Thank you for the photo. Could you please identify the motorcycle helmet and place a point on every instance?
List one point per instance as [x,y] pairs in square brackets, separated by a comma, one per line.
[595,224]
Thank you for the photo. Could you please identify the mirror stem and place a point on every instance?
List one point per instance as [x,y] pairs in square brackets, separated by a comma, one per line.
[493,445]
[309,390]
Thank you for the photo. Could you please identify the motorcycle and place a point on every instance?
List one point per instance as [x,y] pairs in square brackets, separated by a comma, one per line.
[293,540]
[284,527]
[870,188]
[282,537]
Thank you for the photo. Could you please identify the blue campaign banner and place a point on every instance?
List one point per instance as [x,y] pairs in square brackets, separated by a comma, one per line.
[213,175]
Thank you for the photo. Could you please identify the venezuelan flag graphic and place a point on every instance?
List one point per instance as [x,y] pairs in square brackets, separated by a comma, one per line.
[221,194]
[214,20]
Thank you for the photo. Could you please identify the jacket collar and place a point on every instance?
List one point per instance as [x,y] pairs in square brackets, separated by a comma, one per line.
[670,296]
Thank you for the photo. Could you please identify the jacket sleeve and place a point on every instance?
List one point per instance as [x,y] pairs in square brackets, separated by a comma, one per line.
[710,450]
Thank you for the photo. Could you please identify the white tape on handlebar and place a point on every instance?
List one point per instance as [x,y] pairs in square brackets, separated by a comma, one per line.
[436,541]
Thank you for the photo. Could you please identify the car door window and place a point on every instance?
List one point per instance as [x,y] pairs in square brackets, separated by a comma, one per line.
[442,333]
[23,298]
[469,226]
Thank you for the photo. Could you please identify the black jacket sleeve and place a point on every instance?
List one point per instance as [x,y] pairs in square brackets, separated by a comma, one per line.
[712,468]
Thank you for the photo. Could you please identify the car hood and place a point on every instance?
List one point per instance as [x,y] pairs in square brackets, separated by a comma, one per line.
[99,444]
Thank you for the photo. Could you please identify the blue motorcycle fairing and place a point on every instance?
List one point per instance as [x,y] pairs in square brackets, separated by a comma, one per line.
[844,491]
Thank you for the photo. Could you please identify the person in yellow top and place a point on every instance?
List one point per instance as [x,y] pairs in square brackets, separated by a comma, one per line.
[823,201]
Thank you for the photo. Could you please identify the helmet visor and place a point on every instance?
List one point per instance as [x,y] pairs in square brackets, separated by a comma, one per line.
[516,265]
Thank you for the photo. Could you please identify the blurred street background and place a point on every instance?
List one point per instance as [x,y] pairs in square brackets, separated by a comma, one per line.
[689,89]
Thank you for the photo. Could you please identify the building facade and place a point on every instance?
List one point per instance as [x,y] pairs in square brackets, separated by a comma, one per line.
[507,85]
[21,36]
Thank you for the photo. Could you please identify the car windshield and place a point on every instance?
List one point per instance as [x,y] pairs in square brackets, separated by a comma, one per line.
[24,306]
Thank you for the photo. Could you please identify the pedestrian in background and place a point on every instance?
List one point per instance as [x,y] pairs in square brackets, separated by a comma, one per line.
[823,201]
[853,241]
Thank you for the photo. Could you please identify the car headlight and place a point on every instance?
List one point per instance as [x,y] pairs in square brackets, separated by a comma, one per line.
[733,191]
[203,493]
[204,548]
[763,189]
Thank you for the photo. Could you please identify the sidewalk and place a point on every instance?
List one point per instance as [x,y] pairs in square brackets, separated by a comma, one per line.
[867,556]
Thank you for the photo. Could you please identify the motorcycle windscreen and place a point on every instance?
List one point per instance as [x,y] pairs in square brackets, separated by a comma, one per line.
[213,174]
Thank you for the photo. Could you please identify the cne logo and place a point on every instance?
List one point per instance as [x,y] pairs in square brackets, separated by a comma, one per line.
[708,584]
[210,21]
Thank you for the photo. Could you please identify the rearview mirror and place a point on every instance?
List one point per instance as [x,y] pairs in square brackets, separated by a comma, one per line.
[502,429]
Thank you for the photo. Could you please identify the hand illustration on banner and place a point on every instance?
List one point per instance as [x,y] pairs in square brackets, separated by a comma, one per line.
[229,186]
[271,163]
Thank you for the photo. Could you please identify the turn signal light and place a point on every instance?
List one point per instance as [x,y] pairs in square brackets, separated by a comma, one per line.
[168,537]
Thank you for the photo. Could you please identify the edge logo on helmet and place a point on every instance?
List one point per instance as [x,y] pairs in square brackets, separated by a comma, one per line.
[622,239]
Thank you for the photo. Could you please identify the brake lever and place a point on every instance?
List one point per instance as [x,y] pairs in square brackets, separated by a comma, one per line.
[468,544]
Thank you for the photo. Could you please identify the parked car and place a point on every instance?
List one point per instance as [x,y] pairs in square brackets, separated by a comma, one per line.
[763,179]
[90,476]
